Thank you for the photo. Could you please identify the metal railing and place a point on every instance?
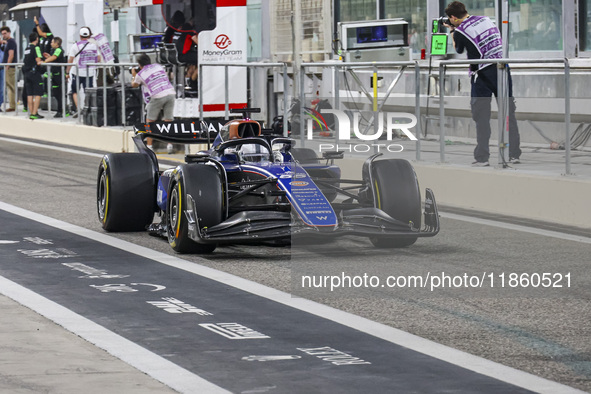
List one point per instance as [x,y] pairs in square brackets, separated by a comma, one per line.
[64,86]
[19,66]
[226,66]
[377,107]
[121,67]
[503,99]
[338,69]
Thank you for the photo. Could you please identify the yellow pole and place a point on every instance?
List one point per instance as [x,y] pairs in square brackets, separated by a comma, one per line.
[375,91]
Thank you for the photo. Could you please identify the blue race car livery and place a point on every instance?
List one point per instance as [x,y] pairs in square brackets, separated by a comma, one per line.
[254,186]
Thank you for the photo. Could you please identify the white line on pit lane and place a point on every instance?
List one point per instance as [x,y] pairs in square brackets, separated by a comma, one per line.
[517,227]
[150,363]
[67,150]
[390,334]
[52,147]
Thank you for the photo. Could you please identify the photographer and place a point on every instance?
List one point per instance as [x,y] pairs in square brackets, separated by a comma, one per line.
[481,39]
[158,88]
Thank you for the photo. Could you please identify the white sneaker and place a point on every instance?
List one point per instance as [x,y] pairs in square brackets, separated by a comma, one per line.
[514,160]
[169,148]
[480,164]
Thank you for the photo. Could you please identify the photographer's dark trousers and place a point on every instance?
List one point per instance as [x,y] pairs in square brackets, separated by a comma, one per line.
[484,85]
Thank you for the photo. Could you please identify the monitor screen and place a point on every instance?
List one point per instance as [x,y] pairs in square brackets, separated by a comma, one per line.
[439,44]
[149,42]
[372,34]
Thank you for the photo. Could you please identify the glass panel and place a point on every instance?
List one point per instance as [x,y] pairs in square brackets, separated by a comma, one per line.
[254,20]
[154,22]
[535,26]
[314,28]
[484,8]
[415,13]
[282,30]
[585,19]
[357,10]
[127,25]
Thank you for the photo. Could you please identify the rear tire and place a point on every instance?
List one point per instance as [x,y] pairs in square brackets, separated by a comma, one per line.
[126,192]
[397,193]
[204,185]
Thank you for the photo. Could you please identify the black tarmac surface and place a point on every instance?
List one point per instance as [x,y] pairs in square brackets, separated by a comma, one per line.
[547,335]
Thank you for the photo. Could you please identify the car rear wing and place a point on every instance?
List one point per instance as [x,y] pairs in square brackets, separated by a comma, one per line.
[186,131]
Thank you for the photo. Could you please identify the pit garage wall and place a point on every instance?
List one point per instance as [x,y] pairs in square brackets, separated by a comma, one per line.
[84,13]
[521,195]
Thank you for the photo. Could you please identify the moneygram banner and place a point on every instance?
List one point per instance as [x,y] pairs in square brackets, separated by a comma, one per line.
[227,43]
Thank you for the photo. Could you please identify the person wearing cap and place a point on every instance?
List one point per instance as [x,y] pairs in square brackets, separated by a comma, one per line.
[82,53]
[158,88]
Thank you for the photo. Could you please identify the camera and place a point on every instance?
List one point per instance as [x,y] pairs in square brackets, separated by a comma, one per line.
[437,25]
[136,68]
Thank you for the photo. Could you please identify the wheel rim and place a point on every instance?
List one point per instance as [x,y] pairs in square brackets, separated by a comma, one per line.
[173,212]
[102,196]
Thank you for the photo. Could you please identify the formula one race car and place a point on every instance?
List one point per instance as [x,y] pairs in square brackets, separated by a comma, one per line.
[254,186]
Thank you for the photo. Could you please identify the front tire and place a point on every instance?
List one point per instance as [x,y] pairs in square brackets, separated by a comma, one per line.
[396,191]
[203,184]
[126,192]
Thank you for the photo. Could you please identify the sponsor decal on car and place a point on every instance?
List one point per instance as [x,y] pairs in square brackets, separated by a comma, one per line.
[299,183]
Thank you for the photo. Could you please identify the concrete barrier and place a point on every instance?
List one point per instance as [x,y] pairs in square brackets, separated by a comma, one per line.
[89,137]
[556,199]
[548,198]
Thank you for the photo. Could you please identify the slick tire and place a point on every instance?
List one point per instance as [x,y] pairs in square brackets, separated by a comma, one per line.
[397,193]
[126,192]
[203,184]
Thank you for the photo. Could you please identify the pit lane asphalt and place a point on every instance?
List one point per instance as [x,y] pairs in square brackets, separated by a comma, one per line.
[544,335]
